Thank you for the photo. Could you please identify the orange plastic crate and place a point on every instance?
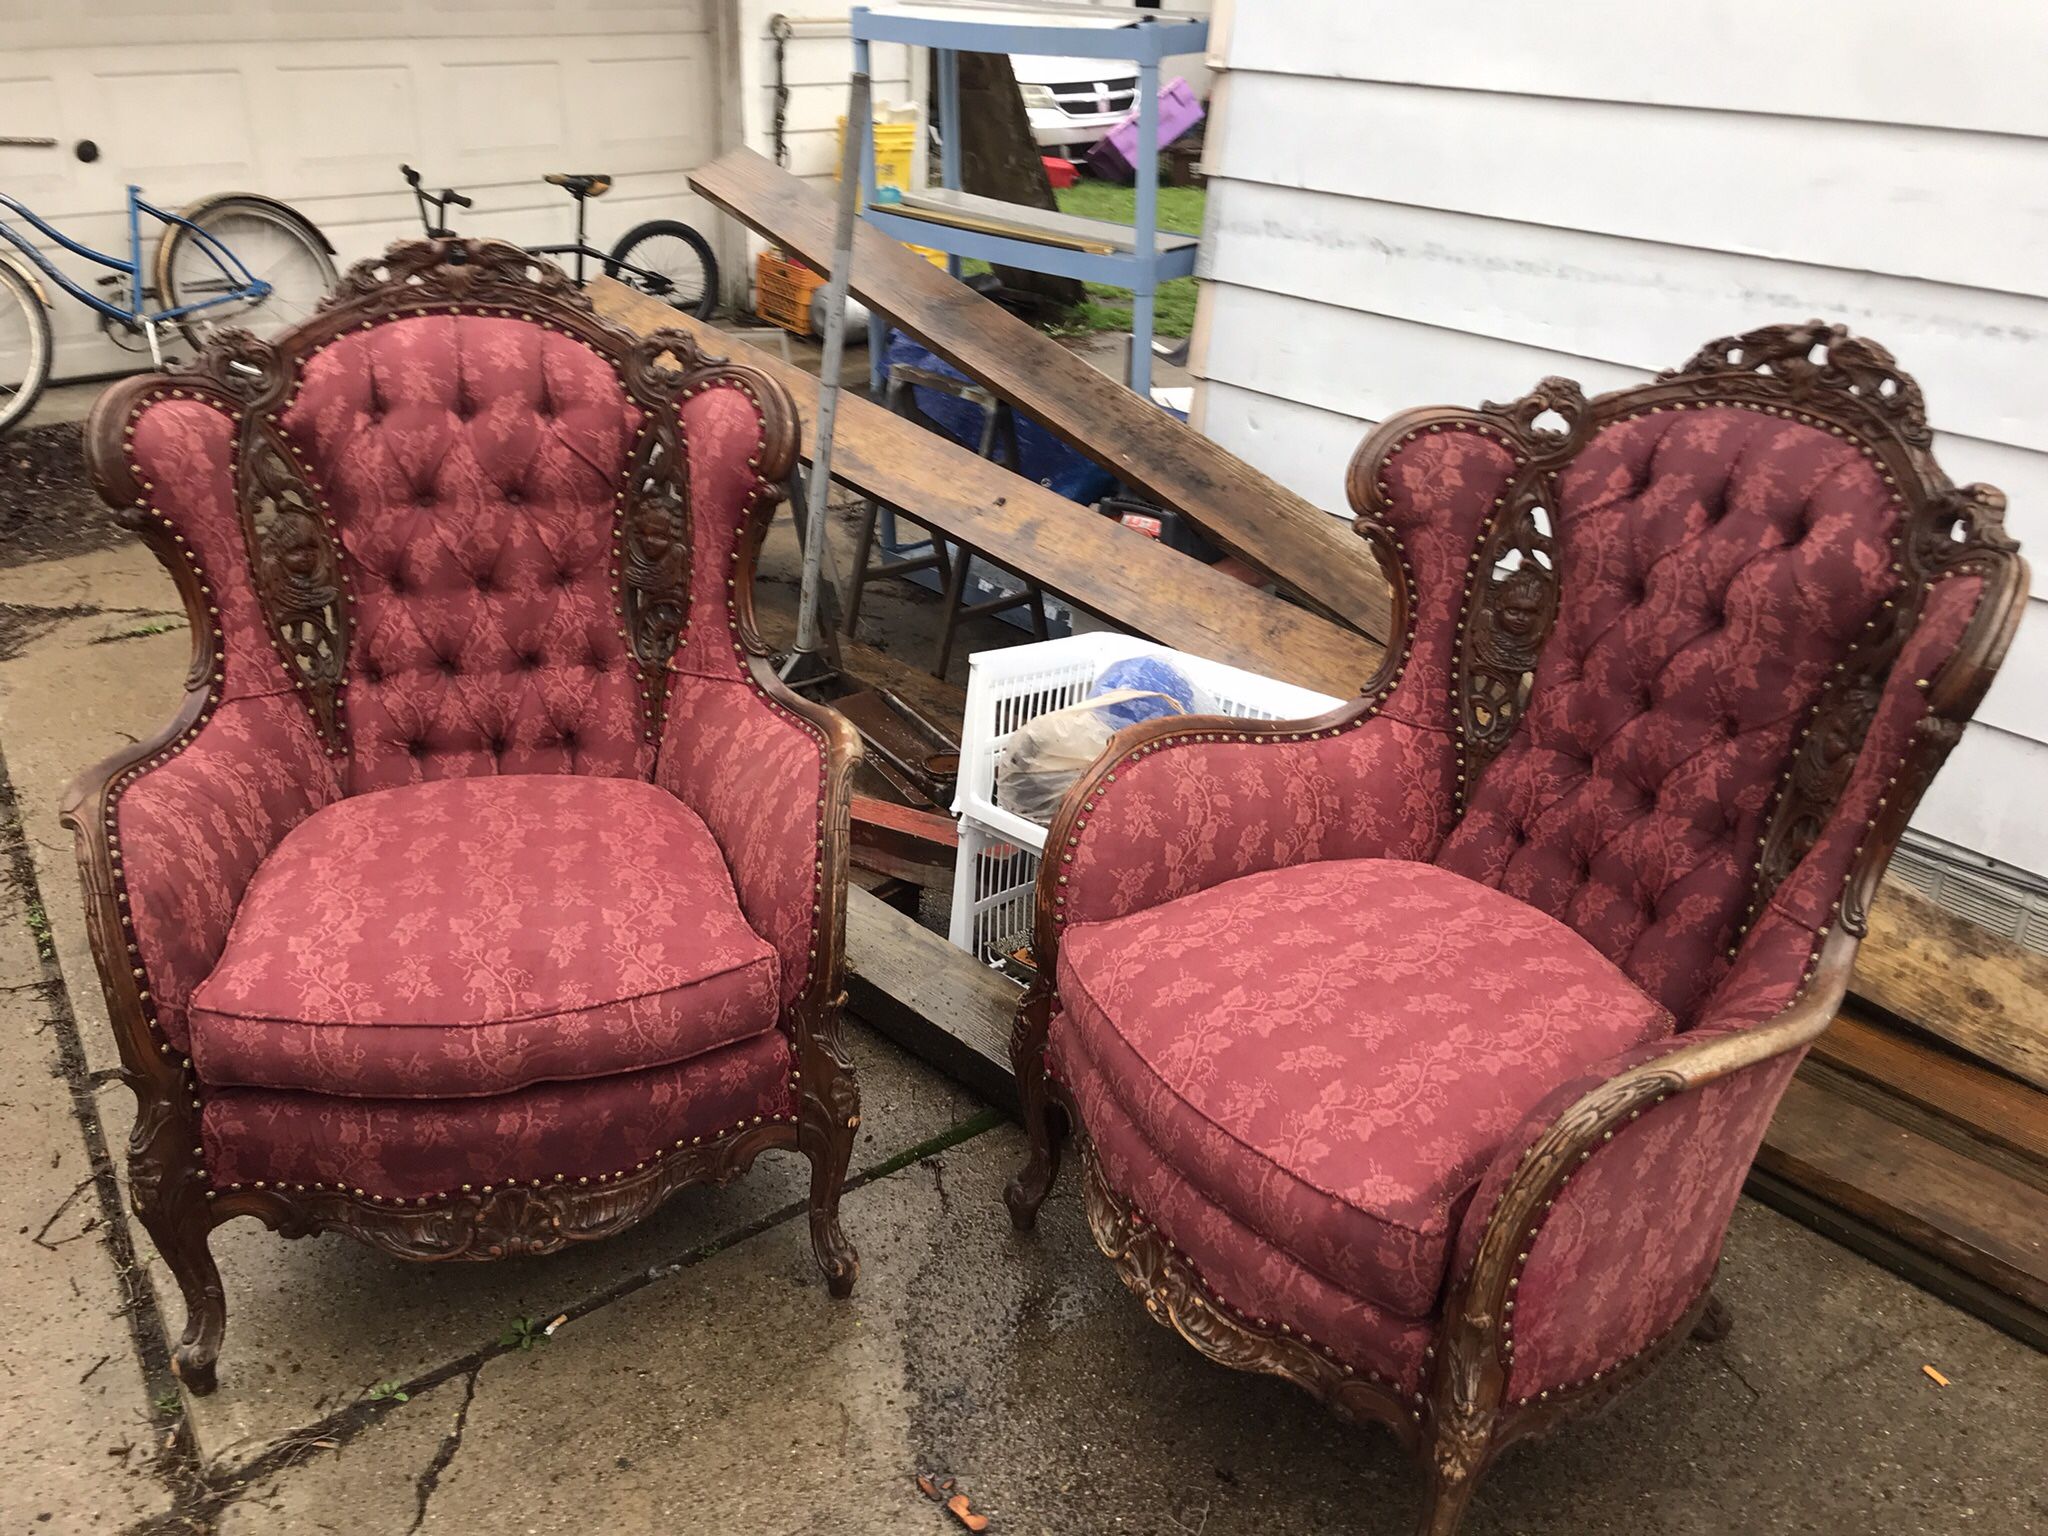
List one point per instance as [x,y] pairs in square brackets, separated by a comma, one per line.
[782,291]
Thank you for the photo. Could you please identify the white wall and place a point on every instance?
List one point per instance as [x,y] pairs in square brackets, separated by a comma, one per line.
[1411,204]
[318,102]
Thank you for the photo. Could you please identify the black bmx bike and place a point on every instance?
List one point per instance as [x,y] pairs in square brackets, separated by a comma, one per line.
[664,258]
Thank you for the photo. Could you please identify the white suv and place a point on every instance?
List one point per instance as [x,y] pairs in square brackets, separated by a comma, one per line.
[1074,102]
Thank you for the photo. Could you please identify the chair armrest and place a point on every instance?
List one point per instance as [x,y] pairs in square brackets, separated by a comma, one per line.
[770,772]
[1596,1231]
[1177,805]
[169,834]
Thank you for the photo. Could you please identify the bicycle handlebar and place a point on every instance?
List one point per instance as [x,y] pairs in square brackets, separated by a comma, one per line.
[412,177]
[450,195]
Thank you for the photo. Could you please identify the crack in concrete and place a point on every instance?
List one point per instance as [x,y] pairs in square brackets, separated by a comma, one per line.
[1727,1362]
[430,1479]
[205,1498]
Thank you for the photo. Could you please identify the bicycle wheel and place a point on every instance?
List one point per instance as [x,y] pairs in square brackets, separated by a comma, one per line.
[670,261]
[24,346]
[272,242]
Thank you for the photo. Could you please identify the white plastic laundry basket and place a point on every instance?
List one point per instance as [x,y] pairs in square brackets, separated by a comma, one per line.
[999,851]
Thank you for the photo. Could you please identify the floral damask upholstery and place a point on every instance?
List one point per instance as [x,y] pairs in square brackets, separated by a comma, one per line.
[1332,1052]
[1418,1053]
[476,936]
[489,887]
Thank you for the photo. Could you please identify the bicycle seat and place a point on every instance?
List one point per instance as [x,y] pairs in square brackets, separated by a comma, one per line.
[579,186]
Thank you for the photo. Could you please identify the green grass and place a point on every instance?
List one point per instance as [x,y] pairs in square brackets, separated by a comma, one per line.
[1107,308]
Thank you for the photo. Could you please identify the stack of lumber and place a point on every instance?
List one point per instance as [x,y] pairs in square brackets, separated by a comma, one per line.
[1917,1129]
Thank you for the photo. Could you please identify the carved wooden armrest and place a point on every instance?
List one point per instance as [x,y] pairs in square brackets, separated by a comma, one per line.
[1594,1235]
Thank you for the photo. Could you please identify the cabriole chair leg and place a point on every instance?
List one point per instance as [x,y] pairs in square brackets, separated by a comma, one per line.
[1714,1322]
[1445,1500]
[181,1238]
[1044,1120]
[825,1136]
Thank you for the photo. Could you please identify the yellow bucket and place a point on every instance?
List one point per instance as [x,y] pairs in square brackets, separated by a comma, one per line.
[895,144]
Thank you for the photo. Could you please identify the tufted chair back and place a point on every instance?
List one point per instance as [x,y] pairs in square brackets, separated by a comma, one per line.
[465,514]
[471,466]
[1680,627]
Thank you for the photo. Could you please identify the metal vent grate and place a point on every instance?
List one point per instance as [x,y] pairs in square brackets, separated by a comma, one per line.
[2007,902]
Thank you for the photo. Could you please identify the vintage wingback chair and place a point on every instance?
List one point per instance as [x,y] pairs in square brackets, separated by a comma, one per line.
[489,888]
[1417,1053]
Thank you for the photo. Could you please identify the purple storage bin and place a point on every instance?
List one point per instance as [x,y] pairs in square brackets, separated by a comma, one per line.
[1115,156]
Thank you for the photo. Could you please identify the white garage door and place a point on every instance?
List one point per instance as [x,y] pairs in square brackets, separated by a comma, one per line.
[318,104]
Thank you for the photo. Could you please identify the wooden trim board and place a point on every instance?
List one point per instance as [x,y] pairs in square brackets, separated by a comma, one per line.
[1125,577]
[1988,1104]
[1254,517]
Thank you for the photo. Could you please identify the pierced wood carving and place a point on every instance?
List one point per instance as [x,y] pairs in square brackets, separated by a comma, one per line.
[297,567]
[655,528]
[1817,365]
[1514,596]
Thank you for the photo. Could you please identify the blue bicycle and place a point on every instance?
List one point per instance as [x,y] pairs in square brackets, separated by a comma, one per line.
[237,259]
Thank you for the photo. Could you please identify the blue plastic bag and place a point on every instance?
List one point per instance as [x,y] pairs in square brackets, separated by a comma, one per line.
[1154,674]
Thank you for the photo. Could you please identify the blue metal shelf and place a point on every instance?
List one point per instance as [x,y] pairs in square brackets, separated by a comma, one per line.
[953,27]
[1118,268]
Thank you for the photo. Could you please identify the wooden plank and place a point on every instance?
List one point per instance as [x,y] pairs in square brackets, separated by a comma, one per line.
[1987,1104]
[1725,181]
[1129,579]
[971,211]
[903,842]
[1983,1222]
[930,998]
[1239,508]
[2025,1323]
[1957,981]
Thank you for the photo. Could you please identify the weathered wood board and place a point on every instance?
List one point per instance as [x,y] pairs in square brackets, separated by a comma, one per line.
[1123,576]
[1956,980]
[1252,516]
[930,998]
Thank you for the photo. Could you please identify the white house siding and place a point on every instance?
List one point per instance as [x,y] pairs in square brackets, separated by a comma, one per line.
[1412,204]
[318,103]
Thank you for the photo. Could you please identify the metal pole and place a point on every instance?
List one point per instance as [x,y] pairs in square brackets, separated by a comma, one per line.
[859,115]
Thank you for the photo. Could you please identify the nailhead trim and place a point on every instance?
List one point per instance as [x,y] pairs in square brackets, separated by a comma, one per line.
[465,1191]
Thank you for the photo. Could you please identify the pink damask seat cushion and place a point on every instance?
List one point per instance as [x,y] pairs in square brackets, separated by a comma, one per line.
[1331,1053]
[476,936]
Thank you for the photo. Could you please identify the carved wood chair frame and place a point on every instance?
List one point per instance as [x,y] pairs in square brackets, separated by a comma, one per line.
[1814,373]
[306,607]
